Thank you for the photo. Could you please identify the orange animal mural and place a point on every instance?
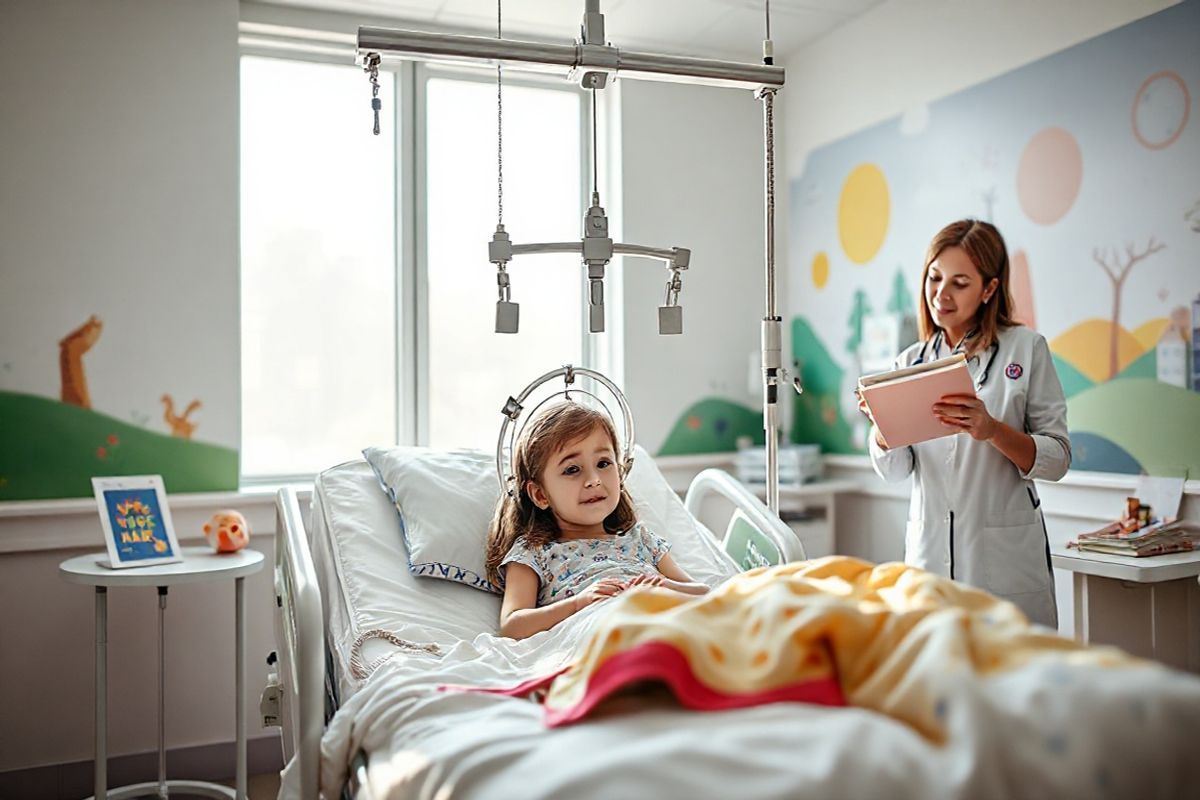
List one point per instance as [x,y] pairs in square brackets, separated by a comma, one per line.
[179,424]
[70,361]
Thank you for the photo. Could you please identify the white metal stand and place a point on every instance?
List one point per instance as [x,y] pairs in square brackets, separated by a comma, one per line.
[200,564]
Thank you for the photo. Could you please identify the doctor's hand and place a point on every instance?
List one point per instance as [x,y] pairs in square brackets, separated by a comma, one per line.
[862,407]
[966,414]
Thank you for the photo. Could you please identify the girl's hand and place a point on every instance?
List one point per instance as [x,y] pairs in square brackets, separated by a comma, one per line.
[601,590]
[966,413]
[646,580]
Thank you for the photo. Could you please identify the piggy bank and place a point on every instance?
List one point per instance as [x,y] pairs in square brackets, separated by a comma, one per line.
[227,531]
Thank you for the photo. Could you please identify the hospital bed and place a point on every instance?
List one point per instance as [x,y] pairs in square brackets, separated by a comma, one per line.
[390,732]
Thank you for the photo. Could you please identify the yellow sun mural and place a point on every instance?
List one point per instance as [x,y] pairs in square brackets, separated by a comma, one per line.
[863,211]
[820,270]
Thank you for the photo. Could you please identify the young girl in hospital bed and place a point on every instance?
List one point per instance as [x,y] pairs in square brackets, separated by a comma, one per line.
[566,535]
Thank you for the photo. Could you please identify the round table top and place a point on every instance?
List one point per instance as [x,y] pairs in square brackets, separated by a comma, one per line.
[199,564]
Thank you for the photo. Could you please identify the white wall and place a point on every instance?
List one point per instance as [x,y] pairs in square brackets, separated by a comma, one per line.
[691,176]
[118,197]
[904,53]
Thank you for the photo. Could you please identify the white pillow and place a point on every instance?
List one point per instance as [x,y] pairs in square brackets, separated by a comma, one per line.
[446,497]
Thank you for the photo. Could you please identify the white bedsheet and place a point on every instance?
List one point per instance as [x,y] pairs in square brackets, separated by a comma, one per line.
[1041,731]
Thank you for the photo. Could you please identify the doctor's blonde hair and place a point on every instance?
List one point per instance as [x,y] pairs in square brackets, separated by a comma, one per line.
[984,245]
[516,515]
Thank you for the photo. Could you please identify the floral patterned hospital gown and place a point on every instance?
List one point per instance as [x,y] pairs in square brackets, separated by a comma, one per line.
[567,567]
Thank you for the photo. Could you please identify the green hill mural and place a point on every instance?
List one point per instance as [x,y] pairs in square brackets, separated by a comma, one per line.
[1117,411]
[1073,381]
[713,425]
[55,449]
[817,418]
[1144,366]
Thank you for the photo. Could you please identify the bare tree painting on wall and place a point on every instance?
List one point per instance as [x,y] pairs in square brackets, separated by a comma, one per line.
[1117,271]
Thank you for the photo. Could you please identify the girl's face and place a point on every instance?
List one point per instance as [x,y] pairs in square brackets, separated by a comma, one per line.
[580,483]
[955,290]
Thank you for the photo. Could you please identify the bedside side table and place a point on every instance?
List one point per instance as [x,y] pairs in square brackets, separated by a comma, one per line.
[199,564]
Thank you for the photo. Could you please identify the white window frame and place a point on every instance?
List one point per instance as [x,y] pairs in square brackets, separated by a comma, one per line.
[599,351]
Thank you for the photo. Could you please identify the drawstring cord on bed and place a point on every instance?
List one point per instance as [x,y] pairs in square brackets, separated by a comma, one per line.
[358,670]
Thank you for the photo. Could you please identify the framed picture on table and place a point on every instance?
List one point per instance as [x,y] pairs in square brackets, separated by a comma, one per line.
[136,520]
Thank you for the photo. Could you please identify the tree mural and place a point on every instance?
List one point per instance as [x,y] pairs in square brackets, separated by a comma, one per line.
[1117,272]
[859,309]
[901,301]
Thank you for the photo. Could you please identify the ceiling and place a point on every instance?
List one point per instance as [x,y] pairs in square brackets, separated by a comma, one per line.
[725,29]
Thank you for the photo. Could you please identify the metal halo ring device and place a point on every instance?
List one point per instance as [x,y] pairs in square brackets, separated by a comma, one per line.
[514,406]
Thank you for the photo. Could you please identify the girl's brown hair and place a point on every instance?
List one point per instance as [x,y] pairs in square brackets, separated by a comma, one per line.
[516,515]
[984,245]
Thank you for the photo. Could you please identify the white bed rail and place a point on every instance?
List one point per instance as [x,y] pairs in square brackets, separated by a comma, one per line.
[715,481]
[300,632]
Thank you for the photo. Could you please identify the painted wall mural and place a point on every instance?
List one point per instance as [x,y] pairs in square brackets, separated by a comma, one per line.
[52,446]
[713,425]
[1089,163]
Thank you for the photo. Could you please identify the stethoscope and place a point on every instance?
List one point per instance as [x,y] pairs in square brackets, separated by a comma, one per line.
[937,345]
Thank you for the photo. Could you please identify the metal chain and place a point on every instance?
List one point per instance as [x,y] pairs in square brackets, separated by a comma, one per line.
[499,132]
[371,67]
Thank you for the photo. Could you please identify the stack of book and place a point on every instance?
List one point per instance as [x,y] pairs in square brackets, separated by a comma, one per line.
[1154,539]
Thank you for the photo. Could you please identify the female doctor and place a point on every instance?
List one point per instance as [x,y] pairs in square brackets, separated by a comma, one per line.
[975,515]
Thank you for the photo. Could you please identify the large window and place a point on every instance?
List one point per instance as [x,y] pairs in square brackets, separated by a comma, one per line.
[367,297]
[472,370]
[318,269]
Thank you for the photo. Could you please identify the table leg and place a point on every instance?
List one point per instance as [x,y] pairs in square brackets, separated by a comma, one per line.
[1079,584]
[101,787]
[162,694]
[239,696]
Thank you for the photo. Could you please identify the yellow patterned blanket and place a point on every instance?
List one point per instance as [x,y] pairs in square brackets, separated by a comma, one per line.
[835,630]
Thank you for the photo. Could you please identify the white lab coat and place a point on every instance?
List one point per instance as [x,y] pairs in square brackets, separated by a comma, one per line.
[974,516]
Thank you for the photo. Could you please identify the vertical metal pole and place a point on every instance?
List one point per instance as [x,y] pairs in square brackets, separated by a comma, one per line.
[101,787]
[162,694]
[240,666]
[771,335]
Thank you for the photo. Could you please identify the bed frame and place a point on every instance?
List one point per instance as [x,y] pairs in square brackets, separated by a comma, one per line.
[307,693]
